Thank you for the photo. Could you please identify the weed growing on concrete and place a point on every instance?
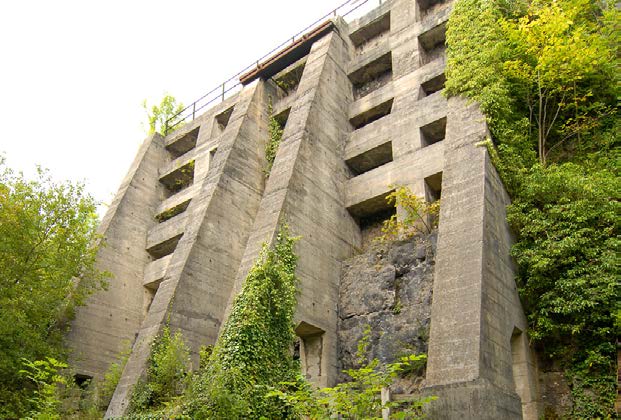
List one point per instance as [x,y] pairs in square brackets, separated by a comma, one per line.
[414,216]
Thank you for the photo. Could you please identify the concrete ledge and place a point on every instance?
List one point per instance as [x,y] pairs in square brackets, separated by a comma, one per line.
[373,53]
[169,229]
[475,400]
[155,270]
[180,197]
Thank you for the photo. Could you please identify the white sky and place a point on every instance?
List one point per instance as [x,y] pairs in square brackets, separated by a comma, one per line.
[74,73]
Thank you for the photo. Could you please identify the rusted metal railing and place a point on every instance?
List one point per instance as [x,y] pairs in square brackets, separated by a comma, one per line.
[220,92]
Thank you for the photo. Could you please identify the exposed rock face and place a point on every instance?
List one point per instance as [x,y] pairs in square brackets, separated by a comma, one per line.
[389,288]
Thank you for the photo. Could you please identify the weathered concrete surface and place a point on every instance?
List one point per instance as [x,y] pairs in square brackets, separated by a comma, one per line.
[476,309]
[305,189]
[109,322]
[382,73]
[198,277]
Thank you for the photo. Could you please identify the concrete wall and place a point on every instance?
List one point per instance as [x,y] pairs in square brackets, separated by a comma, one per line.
[361,102]
[197,281]
[475,303]
[305,189]
[109,322]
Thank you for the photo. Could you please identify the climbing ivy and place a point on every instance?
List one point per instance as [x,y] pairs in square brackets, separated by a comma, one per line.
[168,369]
[254,350]
[544,75]
[275,131]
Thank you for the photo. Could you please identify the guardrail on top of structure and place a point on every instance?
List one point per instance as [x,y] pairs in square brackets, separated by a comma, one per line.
[228,87]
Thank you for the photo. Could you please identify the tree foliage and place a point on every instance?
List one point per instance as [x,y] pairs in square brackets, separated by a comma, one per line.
[544,75]
[415,215]
[360,396]
[158,116]
[48,242]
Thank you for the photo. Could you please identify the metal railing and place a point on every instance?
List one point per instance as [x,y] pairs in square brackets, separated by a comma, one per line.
[226,88]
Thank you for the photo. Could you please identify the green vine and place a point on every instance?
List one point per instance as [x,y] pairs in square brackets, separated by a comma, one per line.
[168,370]
[254,350]
[359,397]
[275,131]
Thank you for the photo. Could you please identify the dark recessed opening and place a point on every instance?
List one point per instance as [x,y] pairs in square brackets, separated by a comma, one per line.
[282,117]
[81,380]
[370,216]
[164,248]
[433,132]
[432,44]
[372,30]
[428,6]
[290,81]
[433,187]
[179,179]
[371,159]
[172,212]
[222,120]
[183,144]
[433,192]
[372,76]
[432,86]
[372,114]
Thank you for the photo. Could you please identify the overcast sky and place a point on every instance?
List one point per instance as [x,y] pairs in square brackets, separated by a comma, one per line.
[74,73]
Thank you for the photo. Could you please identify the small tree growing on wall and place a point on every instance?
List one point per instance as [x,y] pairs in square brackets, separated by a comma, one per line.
[158,115]
[417,216]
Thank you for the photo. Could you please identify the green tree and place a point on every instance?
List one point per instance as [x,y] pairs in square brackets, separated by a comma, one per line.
[557,61]
[48,242]
[544,75]
[158,116]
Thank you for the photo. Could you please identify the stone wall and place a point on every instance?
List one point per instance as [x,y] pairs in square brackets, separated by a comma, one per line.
[388,288]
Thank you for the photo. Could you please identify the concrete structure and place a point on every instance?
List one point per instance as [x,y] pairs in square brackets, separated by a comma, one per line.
[362,110]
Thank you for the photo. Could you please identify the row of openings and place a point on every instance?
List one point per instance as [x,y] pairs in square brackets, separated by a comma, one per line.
[378,28]
[368,160]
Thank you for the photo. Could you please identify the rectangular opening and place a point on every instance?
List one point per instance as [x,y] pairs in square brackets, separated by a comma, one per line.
[433,192]
[164,248]
[372,31]
[426,7]
[371,159]
[289,81]
[433,187]
[371,115]
[282,117]
[221,121]
[433,132]
[183,144]
[432,44]
[432,86]
[82,380]
[172,212]
[149,294]
[370,216]
[179,179]
[372,76]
